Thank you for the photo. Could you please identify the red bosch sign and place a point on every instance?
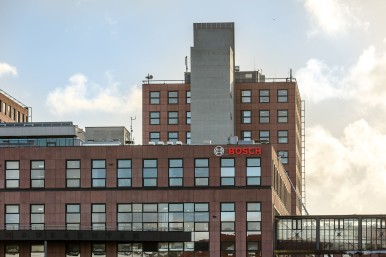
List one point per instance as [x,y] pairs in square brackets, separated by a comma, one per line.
[244,150]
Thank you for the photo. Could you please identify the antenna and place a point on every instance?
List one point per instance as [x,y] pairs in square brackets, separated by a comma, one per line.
[131,130]
[186,63]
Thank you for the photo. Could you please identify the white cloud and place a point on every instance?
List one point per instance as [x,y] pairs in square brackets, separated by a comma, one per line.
[80,95]
[332,17]
[5,68]
[347,174]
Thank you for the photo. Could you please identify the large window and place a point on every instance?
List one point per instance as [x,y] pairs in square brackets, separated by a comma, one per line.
[12,217]
[73,216]
[201,172]
[282,136]
[253,229]
[176,173]
[73,173]
[124,173]
[173,136]
[124,217]
[98,173]
[154,136]
[37,173]
[72,249]
[264,116]
[227,172]
[228,219]
[98,250]
[150,173]
[246,96]
[12,250]
[282,116]
[154,97]
[172,118]
[283,155]
[98,216]
[253,171]
[37,216]
[173,97]
[154,118]
[264,96]
[246,135]
[246,117]
[12,174]
[282,95]
[37,250]
[264,136]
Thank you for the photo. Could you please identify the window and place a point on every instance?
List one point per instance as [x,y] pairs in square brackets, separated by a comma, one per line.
[98,216]
[264,96]
[12,250]
[98,173]
[188,117]
[282,136]
[246,117]
[176,173]
[264,116]
[173,136]
[72,249]
[124,249]
[154,118]
[283,155]
[264,136]
[188,137]
[173,97]
[73,173]
[154,97]
[253,229]
[228,218]
[246,135]
[246,96]
[37,173]
[37,216]
[253,171]
[37,250]
[188,97]
[12,216]
[154,136]
[282,116]
[124,173]
[98,250]
[125,217]
[172,118]
[12,174]
[227,172]
[282,95]
[149,173]
[73,216]
[201,172]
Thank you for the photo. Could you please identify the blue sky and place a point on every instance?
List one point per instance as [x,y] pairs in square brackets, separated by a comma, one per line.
[84,61]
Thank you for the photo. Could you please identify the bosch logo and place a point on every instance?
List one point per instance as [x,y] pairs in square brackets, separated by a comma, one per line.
[218,151]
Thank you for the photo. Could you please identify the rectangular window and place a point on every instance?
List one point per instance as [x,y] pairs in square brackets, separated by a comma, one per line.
[98,216]
[98,250]
[246,117]
[188,118]
[150,173]
[154,97]
[264,116]
[12,217]
[246,96]
[246,135]
[227,172]
[201,172]
[73,216]
[72,249]
[283,156]
[173,136]
[264,96]
[12,174]
[188,138]
[37,174]
[264,136]
[176,173]
[172,97]
[125,217]
[228,240]
[155,118]
[154,136]
[188,97]
[282,116]
[98,173]
[37,250]
[253,229]
[73,173]
[282,137]
[172,118]
[124,249]
[12,250]
[124,173]
[253,172]
[37,216]
[282,95]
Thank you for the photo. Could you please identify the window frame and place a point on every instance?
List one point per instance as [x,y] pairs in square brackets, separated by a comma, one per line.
[10,174]
[172,97]
[100,177]
[224,169]
[39,180]
[253,179]
[201,168]
[246,116]
[150,178]
[70,179]
[282,137]
[154,99]
[246,96]
[154,118]
[127,178]
[264,96]
[282,95]
[263,117]
[282,116]
[175,168]
[172,120]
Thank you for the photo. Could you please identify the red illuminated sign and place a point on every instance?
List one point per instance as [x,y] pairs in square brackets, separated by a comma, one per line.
[244,150]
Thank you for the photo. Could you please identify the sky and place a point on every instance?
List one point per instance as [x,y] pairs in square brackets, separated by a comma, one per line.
[84,61]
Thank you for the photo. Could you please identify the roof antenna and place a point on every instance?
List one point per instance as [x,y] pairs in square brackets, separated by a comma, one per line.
[131,142]
[186,63]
